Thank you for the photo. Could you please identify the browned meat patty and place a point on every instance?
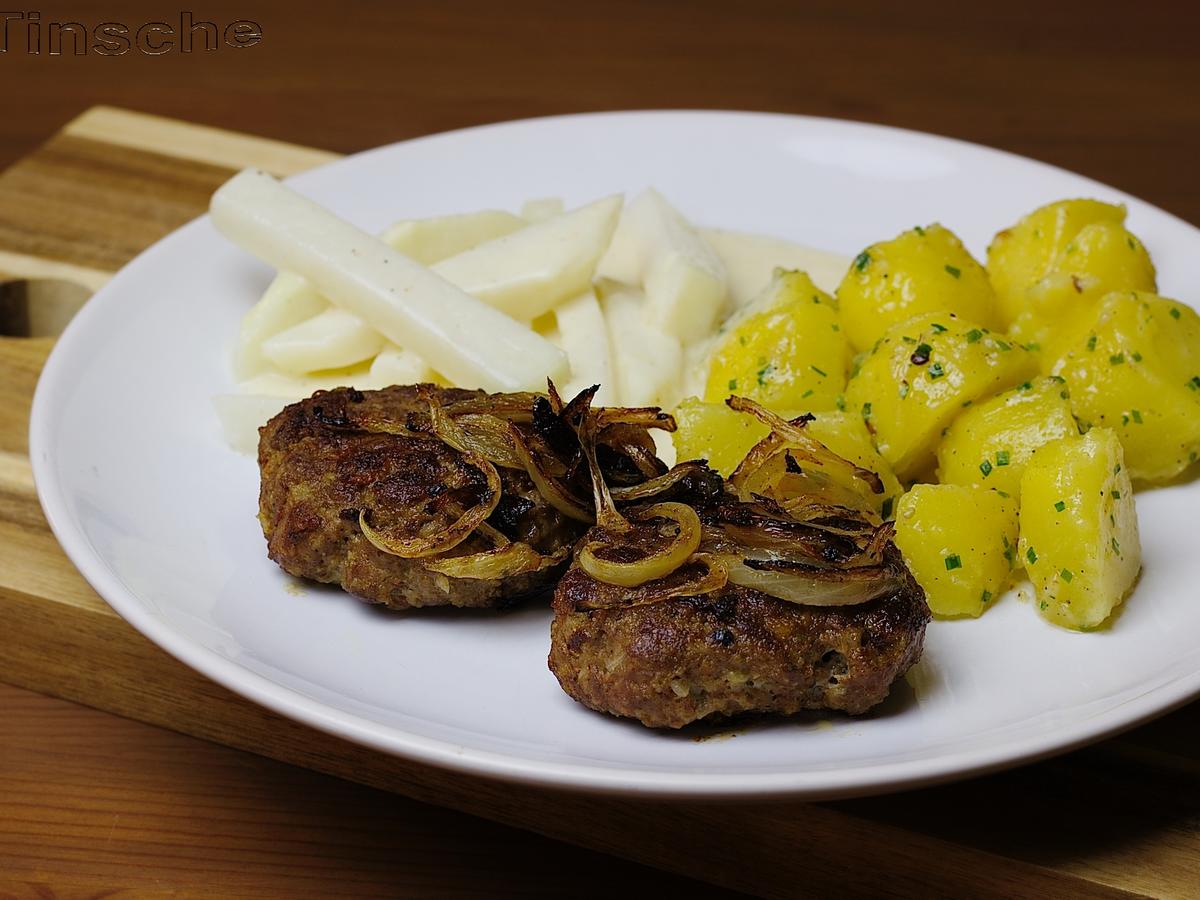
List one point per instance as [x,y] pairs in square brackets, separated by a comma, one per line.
[319,471]
[732,650]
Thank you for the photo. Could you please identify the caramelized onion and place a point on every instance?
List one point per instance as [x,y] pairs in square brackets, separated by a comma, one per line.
[482,433]
[658,563]
[660,484]
[502,562]
[808,586]
[702,574]
[412,546]
[547,485]
[792,435]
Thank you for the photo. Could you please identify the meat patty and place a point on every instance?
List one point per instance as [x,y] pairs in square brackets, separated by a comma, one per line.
[732,650]
[319,471]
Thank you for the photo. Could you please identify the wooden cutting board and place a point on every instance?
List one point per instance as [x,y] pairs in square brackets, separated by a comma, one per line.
[1118,819]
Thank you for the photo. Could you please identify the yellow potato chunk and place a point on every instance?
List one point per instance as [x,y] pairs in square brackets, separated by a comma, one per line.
[785,349]
[921,375]
[922,270]
[1024,254]
[1133,365]
[1102,258]
[960,543]
[990,442]
[715,432]
[1079,531]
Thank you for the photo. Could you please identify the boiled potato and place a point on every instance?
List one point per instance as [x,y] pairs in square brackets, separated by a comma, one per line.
[1024,254]
[990,442]
[921,375]
[923,270]
[1133,364]
[1102,258]
[715,432]
[960,543]
[785,350]
[1079,532]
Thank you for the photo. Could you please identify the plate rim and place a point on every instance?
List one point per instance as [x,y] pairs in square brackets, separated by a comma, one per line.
[871,778]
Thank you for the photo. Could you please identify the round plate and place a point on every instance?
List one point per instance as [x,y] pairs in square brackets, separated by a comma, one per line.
[159,515]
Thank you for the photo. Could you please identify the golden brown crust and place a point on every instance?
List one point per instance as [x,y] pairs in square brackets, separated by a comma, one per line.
[731,651]
[319,472]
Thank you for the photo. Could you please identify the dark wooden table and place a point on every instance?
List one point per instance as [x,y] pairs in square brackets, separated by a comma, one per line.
[1115,96]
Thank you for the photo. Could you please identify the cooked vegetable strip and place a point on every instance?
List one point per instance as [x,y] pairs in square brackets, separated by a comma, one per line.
[584,337]
[526,273]
[431,240]
[459,335]
[329,340]
[287,301]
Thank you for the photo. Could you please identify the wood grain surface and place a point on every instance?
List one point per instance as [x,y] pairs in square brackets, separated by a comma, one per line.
[1110,98]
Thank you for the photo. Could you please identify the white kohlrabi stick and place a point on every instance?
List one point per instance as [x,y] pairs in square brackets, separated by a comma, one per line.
[463,338]
[583,334]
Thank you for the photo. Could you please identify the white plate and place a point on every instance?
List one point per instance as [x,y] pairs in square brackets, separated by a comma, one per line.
[160,516]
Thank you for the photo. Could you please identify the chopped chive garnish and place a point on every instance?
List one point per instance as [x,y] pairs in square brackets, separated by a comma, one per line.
[820,372]
[1004,494]
[1043,605]
[986,468]
[1032,346]
[1010,552]
[1137,357]
[1137,415]
[904,389]
[1116,359]
[937,328]
[840,403]
[1003,345]
[806,394]
[1174,313]
[1002,457]
[954,270]
[1066,575]
[1116,545]
[1060,506]
[973,335]
[886,509]
[1025,387]
[986,596]
[1031,555]
[953,562]
[862,261]
[764,374]
[1091,343]
[936,370]
[733,384]
[1116,495]
[866,410]
[919,230]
